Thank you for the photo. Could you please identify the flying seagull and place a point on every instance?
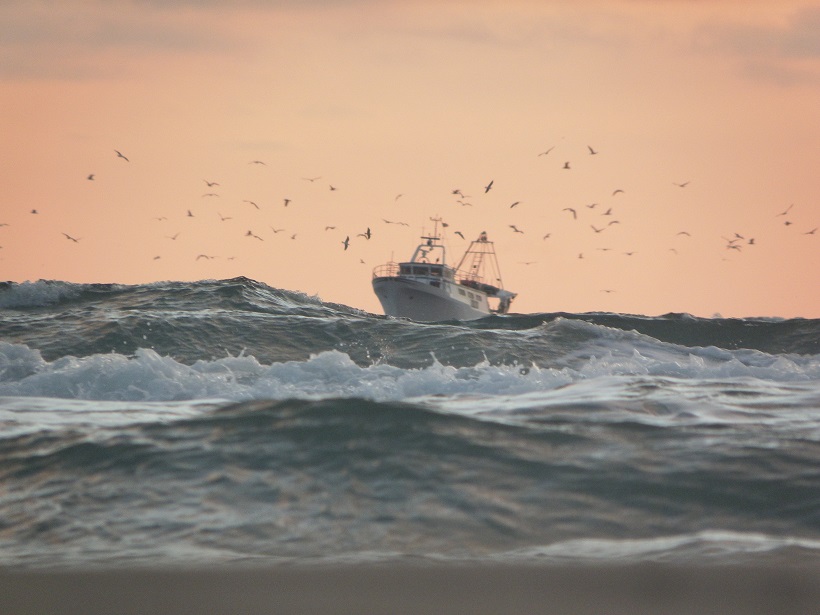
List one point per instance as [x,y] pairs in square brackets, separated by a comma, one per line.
[346,242]
[547,152]
[566,165]
[592,152]
[515,229]
[783,213]
[572,211]
[67,236]
[210,184]
[683,185]
[90,177]
[488,186]
[119,155]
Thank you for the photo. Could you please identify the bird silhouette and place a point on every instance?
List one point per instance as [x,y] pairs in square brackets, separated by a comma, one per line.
[572,211]
[488,186]
[210,184]
[74,239]
[346,242]
[515,229]
[120,155]
[592,152]
[514,204]
[566,165]
[682,185]
[90,177]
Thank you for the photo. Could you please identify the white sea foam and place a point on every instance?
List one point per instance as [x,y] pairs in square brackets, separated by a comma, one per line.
[147,376]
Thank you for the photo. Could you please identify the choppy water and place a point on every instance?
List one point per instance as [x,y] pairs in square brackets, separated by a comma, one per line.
[227,421]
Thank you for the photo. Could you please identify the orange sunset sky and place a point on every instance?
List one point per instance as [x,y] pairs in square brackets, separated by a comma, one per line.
[704,116]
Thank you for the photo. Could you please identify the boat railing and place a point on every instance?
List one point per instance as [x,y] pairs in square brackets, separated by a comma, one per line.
[464,278]
[387,270]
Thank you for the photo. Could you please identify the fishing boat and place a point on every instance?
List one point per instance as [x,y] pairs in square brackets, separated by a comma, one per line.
[426,288]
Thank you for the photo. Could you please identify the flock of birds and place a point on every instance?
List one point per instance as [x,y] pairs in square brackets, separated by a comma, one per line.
[604,215]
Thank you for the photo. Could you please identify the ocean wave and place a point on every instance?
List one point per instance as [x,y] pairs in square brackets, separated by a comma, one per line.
[148,376]
[724,546]
[316,478]
[193,321]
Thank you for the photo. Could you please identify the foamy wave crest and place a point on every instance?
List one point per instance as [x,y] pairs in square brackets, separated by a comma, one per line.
[147,376]
[37,294]
[608,351]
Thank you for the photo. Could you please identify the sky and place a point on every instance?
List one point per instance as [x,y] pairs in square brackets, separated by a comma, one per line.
[320,119]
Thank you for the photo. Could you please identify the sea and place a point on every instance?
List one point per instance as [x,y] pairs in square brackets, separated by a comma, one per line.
[228,422]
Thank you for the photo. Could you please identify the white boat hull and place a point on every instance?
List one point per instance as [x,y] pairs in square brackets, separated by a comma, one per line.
[421,301]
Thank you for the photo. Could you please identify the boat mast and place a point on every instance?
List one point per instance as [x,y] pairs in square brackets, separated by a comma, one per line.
[480,264]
